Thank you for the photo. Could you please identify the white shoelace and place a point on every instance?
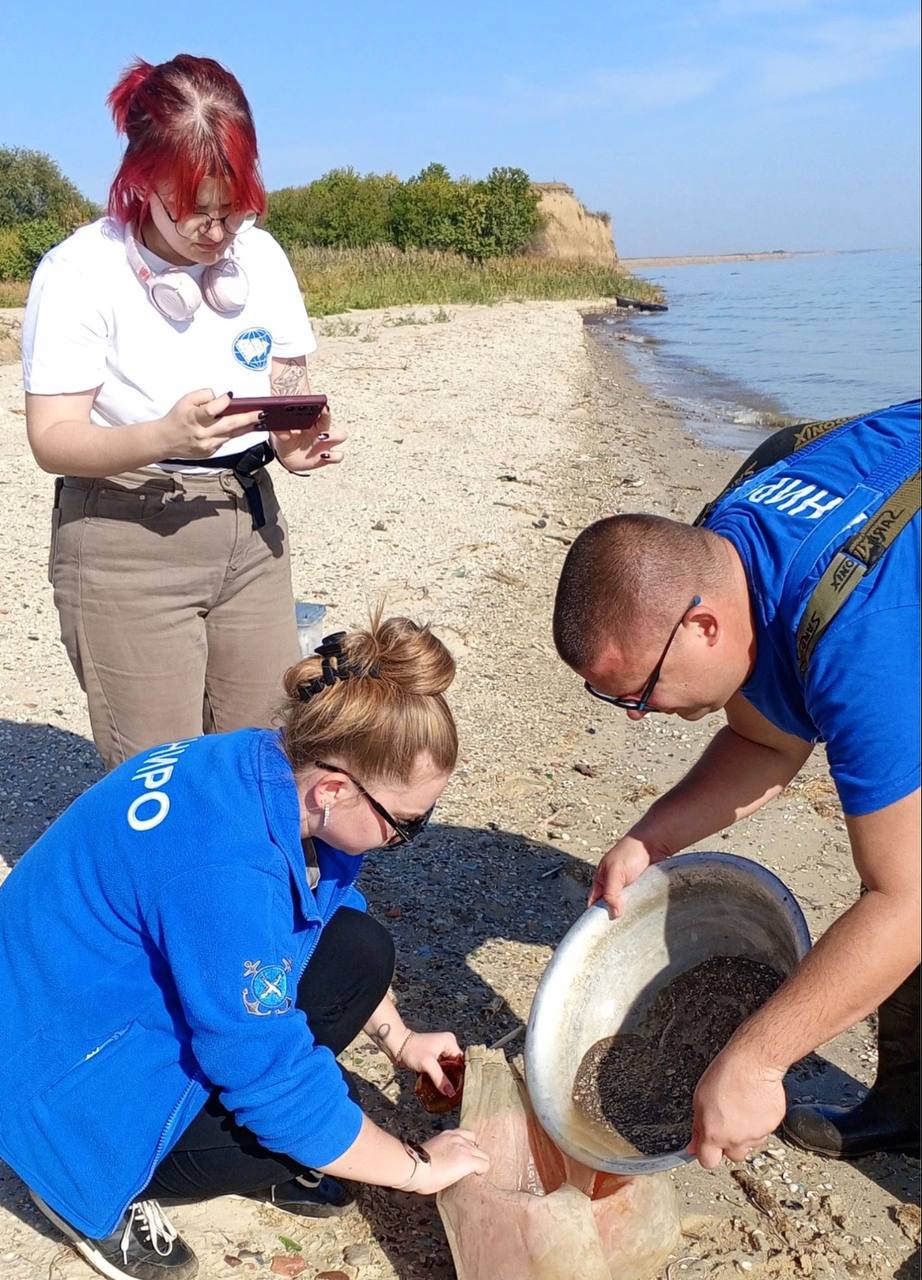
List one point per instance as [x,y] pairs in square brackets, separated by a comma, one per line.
[151,1218]
[309,1180]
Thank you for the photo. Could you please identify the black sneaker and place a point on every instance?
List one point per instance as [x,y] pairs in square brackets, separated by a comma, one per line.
[144,1246]
[311,1195]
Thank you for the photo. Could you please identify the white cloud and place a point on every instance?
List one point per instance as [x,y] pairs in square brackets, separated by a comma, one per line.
[773,8]
[628,88]
[842,51]
[807,55]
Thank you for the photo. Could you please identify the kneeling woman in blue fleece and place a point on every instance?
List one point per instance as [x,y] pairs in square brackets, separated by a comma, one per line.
[183,953]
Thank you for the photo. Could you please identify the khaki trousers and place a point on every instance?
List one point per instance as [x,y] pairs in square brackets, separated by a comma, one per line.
[176,614]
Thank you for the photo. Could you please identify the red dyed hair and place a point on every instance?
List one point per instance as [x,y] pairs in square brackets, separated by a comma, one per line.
[185,120]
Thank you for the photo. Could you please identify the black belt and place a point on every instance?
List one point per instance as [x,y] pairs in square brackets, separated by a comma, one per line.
[245,466]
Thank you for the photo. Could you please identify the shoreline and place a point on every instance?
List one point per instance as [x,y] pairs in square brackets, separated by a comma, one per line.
[704,259]
[766,344]
[479,448]
[722,413]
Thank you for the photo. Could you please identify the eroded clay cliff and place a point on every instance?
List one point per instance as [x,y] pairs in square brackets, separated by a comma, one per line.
[570,230]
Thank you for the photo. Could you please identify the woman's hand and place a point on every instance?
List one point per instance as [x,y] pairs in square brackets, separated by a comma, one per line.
[192,428]
[452,1155]
[308,450]
[421,1053]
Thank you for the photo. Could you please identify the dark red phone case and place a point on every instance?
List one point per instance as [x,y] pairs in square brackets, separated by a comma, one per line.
[282,413]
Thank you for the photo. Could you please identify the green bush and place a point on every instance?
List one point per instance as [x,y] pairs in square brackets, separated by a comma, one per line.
[426,211]
[38,237]
[472,238]
[22,247]
[285,216]
[13,263]
[38,208]
[512,215]
[341,208]
[494,217]
[33,188]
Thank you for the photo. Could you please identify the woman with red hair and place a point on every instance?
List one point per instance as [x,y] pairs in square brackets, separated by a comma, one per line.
[169,556]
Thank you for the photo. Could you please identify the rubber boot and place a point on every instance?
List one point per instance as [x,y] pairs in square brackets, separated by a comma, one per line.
[887,1119]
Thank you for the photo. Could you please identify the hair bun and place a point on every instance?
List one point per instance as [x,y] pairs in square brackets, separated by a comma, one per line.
[405,654]
[121,98]
[373,699]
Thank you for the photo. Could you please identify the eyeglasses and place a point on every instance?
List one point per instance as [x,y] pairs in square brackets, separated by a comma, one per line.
[405,831]
[198,224]
[643,702]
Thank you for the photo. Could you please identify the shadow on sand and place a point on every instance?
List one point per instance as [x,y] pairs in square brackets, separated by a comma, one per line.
[449,901]
[460,892]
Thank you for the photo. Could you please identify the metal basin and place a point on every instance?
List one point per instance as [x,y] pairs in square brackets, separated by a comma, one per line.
[606,973]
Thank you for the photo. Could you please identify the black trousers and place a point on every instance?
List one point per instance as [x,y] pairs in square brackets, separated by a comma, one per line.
[346,980]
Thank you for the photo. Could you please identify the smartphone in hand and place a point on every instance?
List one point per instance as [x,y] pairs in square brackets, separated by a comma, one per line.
[280,413]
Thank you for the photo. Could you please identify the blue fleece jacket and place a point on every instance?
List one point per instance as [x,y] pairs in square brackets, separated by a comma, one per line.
[151,944]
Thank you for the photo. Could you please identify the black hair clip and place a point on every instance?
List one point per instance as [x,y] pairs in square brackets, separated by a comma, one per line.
[307,691]
[335,666]
[335,661]
[332,645]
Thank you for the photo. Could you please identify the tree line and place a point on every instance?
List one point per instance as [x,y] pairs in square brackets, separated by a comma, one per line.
[478,218]
[486,218]
[39,207]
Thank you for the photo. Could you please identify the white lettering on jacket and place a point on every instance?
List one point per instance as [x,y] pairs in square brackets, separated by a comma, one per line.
[150,808]
[795,497]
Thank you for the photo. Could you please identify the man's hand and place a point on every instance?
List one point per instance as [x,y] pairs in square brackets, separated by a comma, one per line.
[621,866]
[747,763]
[739,1101]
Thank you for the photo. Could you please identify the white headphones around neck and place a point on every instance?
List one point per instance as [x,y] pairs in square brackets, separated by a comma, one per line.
[177,295]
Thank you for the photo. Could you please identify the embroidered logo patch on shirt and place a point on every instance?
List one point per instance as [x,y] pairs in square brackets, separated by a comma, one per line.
[252,348]
[266,990]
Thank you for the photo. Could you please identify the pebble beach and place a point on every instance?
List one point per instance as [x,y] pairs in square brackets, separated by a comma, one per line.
[482,439]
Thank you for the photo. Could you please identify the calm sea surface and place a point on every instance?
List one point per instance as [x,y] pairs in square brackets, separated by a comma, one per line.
[817,336]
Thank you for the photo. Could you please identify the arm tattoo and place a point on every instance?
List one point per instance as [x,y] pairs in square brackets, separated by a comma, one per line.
[289,378]
[379,1035]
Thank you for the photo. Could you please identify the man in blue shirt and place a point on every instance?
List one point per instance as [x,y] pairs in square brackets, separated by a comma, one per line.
[794,607]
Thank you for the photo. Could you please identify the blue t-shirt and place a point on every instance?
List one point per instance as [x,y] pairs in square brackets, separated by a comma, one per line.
[860,694]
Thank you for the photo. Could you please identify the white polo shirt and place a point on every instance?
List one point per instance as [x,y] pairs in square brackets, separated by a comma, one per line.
[90,323]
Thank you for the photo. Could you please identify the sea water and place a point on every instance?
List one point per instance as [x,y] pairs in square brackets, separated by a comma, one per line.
[751,344]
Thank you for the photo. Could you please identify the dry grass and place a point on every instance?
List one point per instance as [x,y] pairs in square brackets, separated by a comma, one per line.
[336,280]
[13,293]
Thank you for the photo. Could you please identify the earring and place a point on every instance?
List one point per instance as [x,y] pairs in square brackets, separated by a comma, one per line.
[326,814]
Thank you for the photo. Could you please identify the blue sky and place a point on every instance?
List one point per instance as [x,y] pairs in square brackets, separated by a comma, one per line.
[702,126]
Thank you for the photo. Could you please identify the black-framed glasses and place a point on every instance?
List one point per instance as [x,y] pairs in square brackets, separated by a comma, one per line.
[198,224]
[643,702]
[405,831]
